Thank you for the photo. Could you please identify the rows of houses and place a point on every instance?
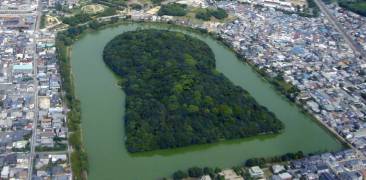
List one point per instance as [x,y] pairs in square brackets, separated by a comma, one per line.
[354,24]
[52,128]
[32,115]
[309,54]
[17,101]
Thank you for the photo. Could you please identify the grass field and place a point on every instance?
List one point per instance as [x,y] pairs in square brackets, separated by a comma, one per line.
[92,8]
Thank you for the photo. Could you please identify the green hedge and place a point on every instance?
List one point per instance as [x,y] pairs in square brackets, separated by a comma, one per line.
[79,160]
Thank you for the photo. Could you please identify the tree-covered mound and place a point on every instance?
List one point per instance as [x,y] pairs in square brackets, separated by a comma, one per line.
[173,9]
[356,6]
[175,97]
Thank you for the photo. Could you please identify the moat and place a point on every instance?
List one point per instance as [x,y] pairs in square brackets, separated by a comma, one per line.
[103,128]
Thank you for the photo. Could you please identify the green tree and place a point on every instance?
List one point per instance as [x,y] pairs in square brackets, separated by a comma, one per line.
[195,172]
[175,97]
[178,175]
[208,171]
[173,9]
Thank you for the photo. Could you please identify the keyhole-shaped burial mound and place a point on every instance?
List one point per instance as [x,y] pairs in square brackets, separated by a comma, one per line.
[175,96]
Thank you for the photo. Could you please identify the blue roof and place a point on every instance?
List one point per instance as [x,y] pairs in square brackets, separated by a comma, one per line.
[298,50]
[23,66]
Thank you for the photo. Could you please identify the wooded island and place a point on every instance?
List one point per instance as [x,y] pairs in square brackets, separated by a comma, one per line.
[175,96]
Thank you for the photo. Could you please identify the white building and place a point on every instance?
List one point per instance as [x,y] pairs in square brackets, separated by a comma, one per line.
[256,172]
[5,172]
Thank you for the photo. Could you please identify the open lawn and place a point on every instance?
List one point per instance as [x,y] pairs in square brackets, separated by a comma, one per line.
[93,8]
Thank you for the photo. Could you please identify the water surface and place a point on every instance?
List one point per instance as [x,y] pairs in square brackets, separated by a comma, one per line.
[102,104]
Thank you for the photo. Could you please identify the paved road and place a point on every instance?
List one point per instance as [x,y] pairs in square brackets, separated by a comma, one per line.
[17,15]
[35,120]
[16,11]
[354,46]
[53,152]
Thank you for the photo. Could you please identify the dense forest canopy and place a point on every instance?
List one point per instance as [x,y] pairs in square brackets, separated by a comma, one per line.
[357,6]
[175,97]
[173,9]
[206,14]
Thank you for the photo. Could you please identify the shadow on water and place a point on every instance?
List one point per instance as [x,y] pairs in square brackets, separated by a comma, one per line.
[202,147]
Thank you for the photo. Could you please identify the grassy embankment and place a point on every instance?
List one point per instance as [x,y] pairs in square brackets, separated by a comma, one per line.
[79,160]
[64,41]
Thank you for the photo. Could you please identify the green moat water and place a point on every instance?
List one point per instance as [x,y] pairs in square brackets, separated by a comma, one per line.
[102,103]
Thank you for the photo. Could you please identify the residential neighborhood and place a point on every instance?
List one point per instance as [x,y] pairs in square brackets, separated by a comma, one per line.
[343,165]
[33,119]
[323,75]
[309,54]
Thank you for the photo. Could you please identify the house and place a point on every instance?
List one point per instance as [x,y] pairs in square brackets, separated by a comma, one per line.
[46,122]
[57,157]
[275,177]
[57,170]
[326,176]
[5,172]
[322,168]
[44,102]
[20,144]
[350,176]
[42,173]
[206,177]
[23,67]
[353,165]
[256,172]
[285,176]
[277,168]
[229,174]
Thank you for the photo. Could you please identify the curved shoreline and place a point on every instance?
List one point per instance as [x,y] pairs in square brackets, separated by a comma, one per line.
[189,29]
